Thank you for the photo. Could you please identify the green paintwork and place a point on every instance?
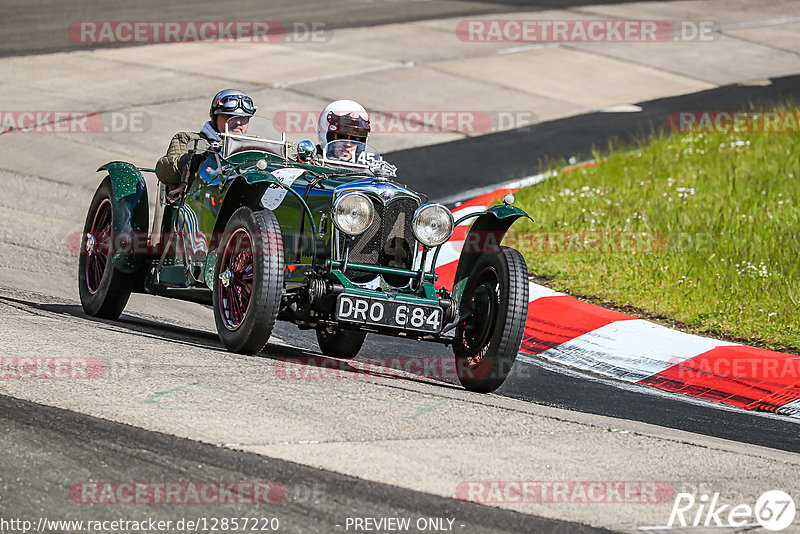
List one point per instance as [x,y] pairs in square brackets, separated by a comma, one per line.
[173,275]
[504,211]
[399,297]
[429,290]
[221,186]
[378,269]
[124,178]
[494,222]
[130,214]
[428,296]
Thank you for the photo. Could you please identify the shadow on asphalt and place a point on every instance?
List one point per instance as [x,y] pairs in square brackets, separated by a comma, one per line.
[299,361]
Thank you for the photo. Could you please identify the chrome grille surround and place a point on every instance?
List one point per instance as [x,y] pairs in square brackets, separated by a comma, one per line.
[389,241]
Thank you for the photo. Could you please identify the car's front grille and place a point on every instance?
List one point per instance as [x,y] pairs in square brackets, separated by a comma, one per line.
[388,241]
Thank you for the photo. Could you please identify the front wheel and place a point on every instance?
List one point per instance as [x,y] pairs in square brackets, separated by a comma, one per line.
[248,280]
[495,308]
[104,289]
[340,343]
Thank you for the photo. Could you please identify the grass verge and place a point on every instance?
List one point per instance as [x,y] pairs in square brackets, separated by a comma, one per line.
[700,228]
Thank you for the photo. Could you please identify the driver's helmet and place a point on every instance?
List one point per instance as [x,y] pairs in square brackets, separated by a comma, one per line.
[343,119]
[231,102]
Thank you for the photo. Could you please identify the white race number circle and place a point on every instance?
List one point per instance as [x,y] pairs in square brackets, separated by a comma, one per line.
[775,510]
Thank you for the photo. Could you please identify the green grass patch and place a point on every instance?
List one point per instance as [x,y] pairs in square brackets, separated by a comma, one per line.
[702,228]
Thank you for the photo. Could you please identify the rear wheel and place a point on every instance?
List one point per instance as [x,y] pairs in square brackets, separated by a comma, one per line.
[340,343]
[495,307]
[104,289]
[248,280]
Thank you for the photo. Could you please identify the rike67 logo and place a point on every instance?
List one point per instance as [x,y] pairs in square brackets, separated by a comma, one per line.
[774,510]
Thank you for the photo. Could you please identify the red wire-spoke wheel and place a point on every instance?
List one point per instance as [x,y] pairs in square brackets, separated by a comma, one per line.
[104,289]
[494,307]
[248,280]
[236,278]
[98,246]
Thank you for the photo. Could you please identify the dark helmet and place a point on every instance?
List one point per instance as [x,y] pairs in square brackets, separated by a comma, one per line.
[231,102]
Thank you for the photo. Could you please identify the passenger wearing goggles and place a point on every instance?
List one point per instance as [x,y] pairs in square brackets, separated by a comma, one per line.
[347,121]
[231,107]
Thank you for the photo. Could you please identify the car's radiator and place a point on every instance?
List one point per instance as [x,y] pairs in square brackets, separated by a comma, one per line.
[388,241]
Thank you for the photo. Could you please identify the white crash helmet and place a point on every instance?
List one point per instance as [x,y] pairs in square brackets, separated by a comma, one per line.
[343,119]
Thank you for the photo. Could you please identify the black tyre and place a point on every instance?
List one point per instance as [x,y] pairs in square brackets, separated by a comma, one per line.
[487,341]
[104,289]
[248,280]
[340,343]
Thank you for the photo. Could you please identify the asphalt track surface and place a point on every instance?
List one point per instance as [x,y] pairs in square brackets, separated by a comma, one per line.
[44,446]
[559,387]
[78,447]
[36,27]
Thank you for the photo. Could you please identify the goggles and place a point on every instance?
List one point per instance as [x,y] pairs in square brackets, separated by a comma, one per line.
[347,126]
[346,137]
[230,103]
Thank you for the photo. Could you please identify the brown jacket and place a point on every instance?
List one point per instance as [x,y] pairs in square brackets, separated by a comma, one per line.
[168,168]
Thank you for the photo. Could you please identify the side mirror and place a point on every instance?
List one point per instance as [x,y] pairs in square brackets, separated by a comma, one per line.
[305,151]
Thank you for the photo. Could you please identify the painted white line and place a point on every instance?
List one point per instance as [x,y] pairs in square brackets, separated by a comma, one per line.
[760,23]
[621,108]
[392,66]
[512,184]
[525,48]
[478,191]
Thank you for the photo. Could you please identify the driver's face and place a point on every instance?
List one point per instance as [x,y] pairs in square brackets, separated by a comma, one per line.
[236,124]
[344,150]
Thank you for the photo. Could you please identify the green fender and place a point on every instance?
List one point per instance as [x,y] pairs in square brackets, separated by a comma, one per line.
[244,190]
[131,215]
[484,237]
[255,177]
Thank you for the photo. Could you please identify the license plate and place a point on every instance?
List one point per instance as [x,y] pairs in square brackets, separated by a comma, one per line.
[391,313]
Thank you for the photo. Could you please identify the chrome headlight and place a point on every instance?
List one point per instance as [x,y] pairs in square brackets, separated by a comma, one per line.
[353,213]
[432,224]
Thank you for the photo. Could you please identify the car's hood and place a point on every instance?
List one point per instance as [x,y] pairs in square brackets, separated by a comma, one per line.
[381,188]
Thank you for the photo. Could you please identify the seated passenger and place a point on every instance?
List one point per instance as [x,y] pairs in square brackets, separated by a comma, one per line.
[226,104]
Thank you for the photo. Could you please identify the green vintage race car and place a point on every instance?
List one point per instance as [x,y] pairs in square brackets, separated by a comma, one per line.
[327,241]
